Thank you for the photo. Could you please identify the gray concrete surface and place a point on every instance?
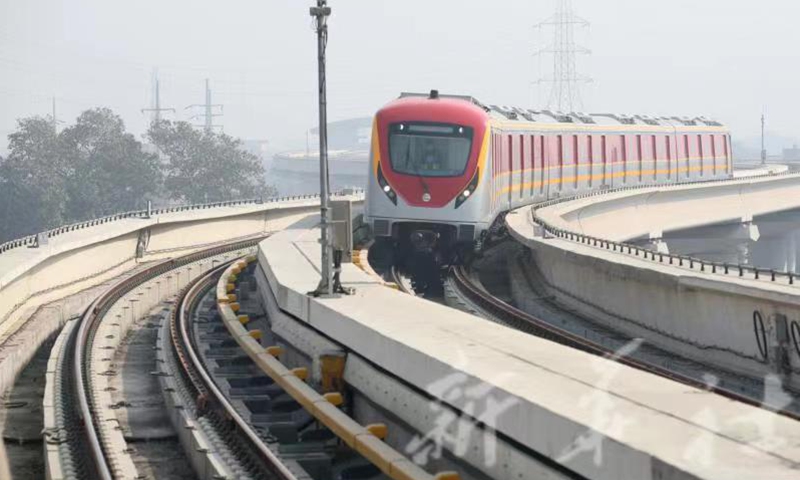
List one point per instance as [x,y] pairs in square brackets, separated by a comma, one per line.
[702,315]
[588,414]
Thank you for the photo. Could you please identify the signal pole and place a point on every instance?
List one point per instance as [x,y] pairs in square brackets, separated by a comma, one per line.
[321,13]
[208,111]
[156,108]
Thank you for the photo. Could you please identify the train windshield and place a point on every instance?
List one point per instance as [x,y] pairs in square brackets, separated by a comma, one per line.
[429,149]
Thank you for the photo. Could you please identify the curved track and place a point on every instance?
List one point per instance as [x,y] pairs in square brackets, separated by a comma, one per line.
[461,285]
[211,401]
[85,452]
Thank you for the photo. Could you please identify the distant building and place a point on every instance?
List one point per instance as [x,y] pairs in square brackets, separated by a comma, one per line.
[791,154]
[297,172]
[351,134]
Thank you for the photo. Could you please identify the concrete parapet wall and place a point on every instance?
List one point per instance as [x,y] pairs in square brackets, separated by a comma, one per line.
[701,315]
[77,260]
[625,215]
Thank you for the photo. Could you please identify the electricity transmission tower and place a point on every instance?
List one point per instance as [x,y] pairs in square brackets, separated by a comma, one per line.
[54,119]
[208,111]
[565,81]
[156,109]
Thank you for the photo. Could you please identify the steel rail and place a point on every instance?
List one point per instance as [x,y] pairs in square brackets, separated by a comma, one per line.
[89,323]
[324,408]
[395,277]
[205,387]
[521,320]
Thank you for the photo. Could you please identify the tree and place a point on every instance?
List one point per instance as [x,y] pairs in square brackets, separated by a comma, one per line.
[204,166]
[32,180]
[109,171]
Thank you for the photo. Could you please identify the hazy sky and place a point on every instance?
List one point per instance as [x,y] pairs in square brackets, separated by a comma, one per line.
[726,59]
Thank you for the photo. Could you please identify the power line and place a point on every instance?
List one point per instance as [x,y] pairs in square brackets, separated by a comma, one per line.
[565,81]
[208,111]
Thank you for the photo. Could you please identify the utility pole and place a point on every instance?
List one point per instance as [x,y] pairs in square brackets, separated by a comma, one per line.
[208,111]
[321,13]
[565,91]
[156,102]
[763,141]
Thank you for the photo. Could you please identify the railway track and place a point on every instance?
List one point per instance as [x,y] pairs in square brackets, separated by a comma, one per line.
[232,417]
[243,450]
[83,437]
[460,284]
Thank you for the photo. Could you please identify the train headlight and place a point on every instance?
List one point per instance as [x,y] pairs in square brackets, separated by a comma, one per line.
[473,184]
[387,189]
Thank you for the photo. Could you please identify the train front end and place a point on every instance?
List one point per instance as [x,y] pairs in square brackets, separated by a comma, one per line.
[425,192]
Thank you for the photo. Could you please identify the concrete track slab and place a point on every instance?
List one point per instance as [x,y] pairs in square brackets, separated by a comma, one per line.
[595,417]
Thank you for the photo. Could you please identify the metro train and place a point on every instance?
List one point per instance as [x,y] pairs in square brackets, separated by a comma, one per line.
[444,169]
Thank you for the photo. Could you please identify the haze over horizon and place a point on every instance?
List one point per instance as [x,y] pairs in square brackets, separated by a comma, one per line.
[729,60]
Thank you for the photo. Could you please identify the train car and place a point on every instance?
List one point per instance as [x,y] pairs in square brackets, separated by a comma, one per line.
[444,168]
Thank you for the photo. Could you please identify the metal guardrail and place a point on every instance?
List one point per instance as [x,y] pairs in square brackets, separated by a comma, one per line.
[684,261]
[30,240]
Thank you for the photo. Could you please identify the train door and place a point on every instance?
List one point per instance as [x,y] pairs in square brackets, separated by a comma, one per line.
[687,155]
[668,155]
[560,157]
[701,155]
[510,174]
[654,156]
[590,156]
[727,154]
[604,153]
[524,162]
[495,159]
[536,171]
[547,175]
[713,154]
[614,165]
